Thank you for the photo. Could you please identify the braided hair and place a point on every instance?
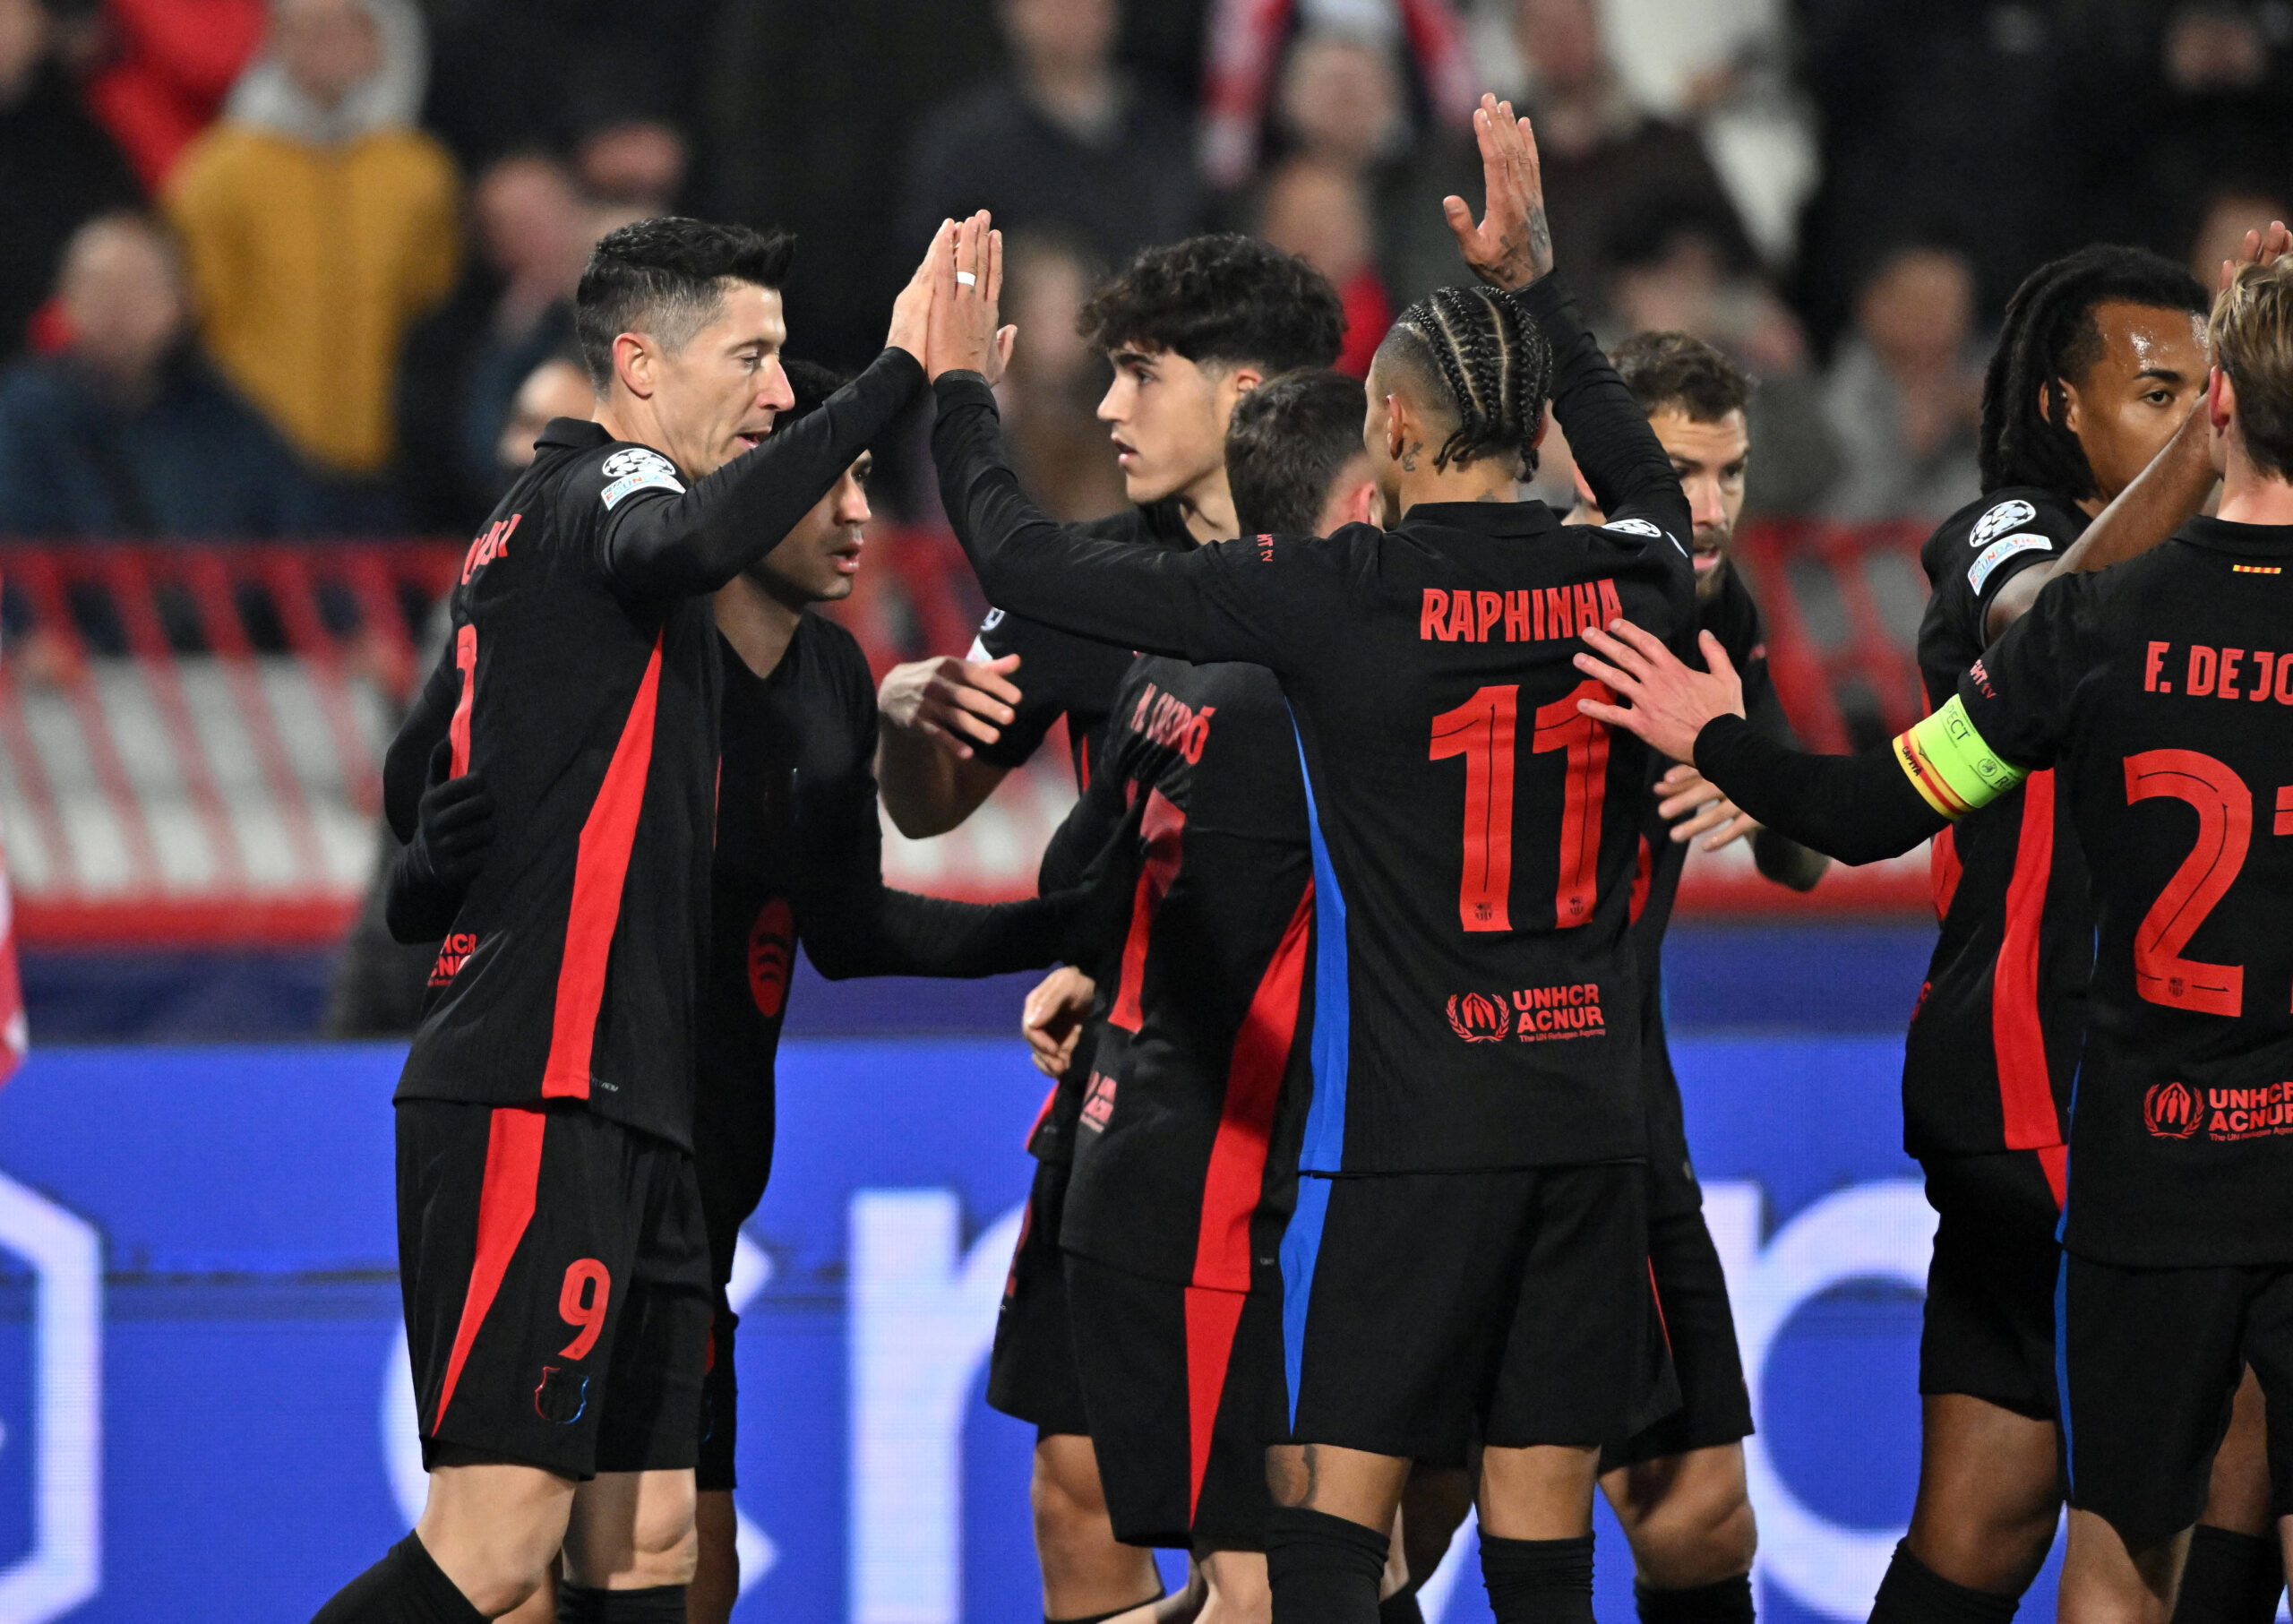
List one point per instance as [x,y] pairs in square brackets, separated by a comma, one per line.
[2050,338]
[1493,366]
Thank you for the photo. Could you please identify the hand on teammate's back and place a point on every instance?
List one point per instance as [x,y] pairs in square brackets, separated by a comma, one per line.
[1670,702]
[958,702]
[964,334]
[454,826]
[1513,244]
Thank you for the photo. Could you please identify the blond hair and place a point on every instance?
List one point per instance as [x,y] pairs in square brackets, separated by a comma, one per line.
[2252,332]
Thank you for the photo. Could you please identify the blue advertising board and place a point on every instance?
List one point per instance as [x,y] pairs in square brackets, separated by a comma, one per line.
[205,1414]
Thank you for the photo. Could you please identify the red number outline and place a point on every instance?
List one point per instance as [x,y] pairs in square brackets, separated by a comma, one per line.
[2225,828]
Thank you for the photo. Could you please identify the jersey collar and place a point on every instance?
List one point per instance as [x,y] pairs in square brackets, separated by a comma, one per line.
[2220,536]
[574,434]
[1481,518]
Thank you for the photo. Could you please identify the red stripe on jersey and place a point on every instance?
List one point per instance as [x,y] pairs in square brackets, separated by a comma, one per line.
[1161,826]
[1231,1183]
[1943,870]
[2054,1159]
[458,730]
[1043,1113]
[1643,875]
[1211,1317]
[1656,1298]
[2017,1039]
[505,1205]
[601,865]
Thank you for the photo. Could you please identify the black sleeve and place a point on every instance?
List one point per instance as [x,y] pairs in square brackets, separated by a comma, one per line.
[2012,535]
[417,911]
[406,767]
[1255,600]
[1059,674]
[1609,435]
[1083,834]
[664,545]
[1857,808]
[1777,856]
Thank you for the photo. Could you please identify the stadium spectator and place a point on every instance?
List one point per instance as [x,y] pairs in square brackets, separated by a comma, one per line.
[319,226]
[557,388]
[1608,165]
[127,431]
[1051,390]
[1904,393]
[58,167]
[635,164]
[2229,213]
[1065,141]
[165,68]
[1320,212]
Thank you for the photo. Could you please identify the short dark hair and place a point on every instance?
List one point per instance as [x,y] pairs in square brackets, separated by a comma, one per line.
[1680,372]
[2050,337]
[1221,297]
[812,383]
[668,277]
[1286,443]
[1475,354]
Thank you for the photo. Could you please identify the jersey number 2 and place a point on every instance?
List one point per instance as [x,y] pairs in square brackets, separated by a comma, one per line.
[2225,828]
[1481,730]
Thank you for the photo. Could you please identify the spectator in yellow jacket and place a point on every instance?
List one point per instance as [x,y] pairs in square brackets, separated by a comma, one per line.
[319,224]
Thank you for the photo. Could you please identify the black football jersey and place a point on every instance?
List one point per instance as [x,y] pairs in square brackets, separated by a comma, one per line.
[1062,674]
[581,677]
[2161,692]
[799,857]
[1186,1143]
[1475,835]
[1731,614]
[1994,1042]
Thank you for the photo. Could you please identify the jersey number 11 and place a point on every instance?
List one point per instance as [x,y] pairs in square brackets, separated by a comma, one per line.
[1481,730]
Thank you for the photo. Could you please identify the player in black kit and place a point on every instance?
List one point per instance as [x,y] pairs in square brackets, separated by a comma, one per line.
[799,857]
[1185,1144]
[2101,358]
[551,1247]
[1189,329]
[1475,1201]
[2154,689]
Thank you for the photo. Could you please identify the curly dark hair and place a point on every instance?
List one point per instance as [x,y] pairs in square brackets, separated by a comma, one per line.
[1225,297]
[812,383]
[667,276]
[1285,444]
[1480,357]
[1680,371]
[2050,338]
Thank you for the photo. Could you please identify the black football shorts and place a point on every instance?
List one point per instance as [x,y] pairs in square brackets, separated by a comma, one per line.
[1699,1329]
[556,1280]
[2151,1362]
[1182,1389]
[1989,1326]
[1031,1371]
[720,1393]
[1422,1310]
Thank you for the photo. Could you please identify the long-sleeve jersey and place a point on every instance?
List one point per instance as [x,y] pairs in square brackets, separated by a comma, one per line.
[1994,1042]
[582,678]
[799,857]
[2160,693]
[1186,1145]
[1474,835]
[1732,616]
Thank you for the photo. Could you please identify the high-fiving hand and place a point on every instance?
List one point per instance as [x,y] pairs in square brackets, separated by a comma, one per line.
[1670,703]
[2260,248]
[968,287]
[1513,244]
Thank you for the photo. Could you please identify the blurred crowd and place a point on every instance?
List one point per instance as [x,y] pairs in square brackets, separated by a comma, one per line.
[305,267]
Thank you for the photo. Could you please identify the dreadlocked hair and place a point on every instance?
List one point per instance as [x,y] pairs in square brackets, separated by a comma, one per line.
[2050,339]
[1495,366]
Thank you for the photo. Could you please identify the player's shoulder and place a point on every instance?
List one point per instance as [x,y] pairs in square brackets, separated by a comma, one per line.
[1157,524]
[1731,614]
[1997,524]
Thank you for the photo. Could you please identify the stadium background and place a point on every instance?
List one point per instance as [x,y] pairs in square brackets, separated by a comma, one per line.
[243,451]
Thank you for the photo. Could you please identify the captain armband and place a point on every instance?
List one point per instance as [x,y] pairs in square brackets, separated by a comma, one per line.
[1951,766]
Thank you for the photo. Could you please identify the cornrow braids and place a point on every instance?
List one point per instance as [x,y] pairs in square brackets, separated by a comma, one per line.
[1494,364]
[2049,338]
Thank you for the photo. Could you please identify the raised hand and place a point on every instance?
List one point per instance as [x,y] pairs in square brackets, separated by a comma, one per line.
[968,286]
[2261,248]
[1513,244]
[1670,703]
[912,311]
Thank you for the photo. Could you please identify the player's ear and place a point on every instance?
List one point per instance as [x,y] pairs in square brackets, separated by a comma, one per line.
[634,364]
[2071,412]
[1362,502]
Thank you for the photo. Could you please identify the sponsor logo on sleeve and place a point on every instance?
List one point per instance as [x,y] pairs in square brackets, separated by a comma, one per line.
[1998,552]
[1999,519]
[633,468]
[994,619]
[1633,527]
